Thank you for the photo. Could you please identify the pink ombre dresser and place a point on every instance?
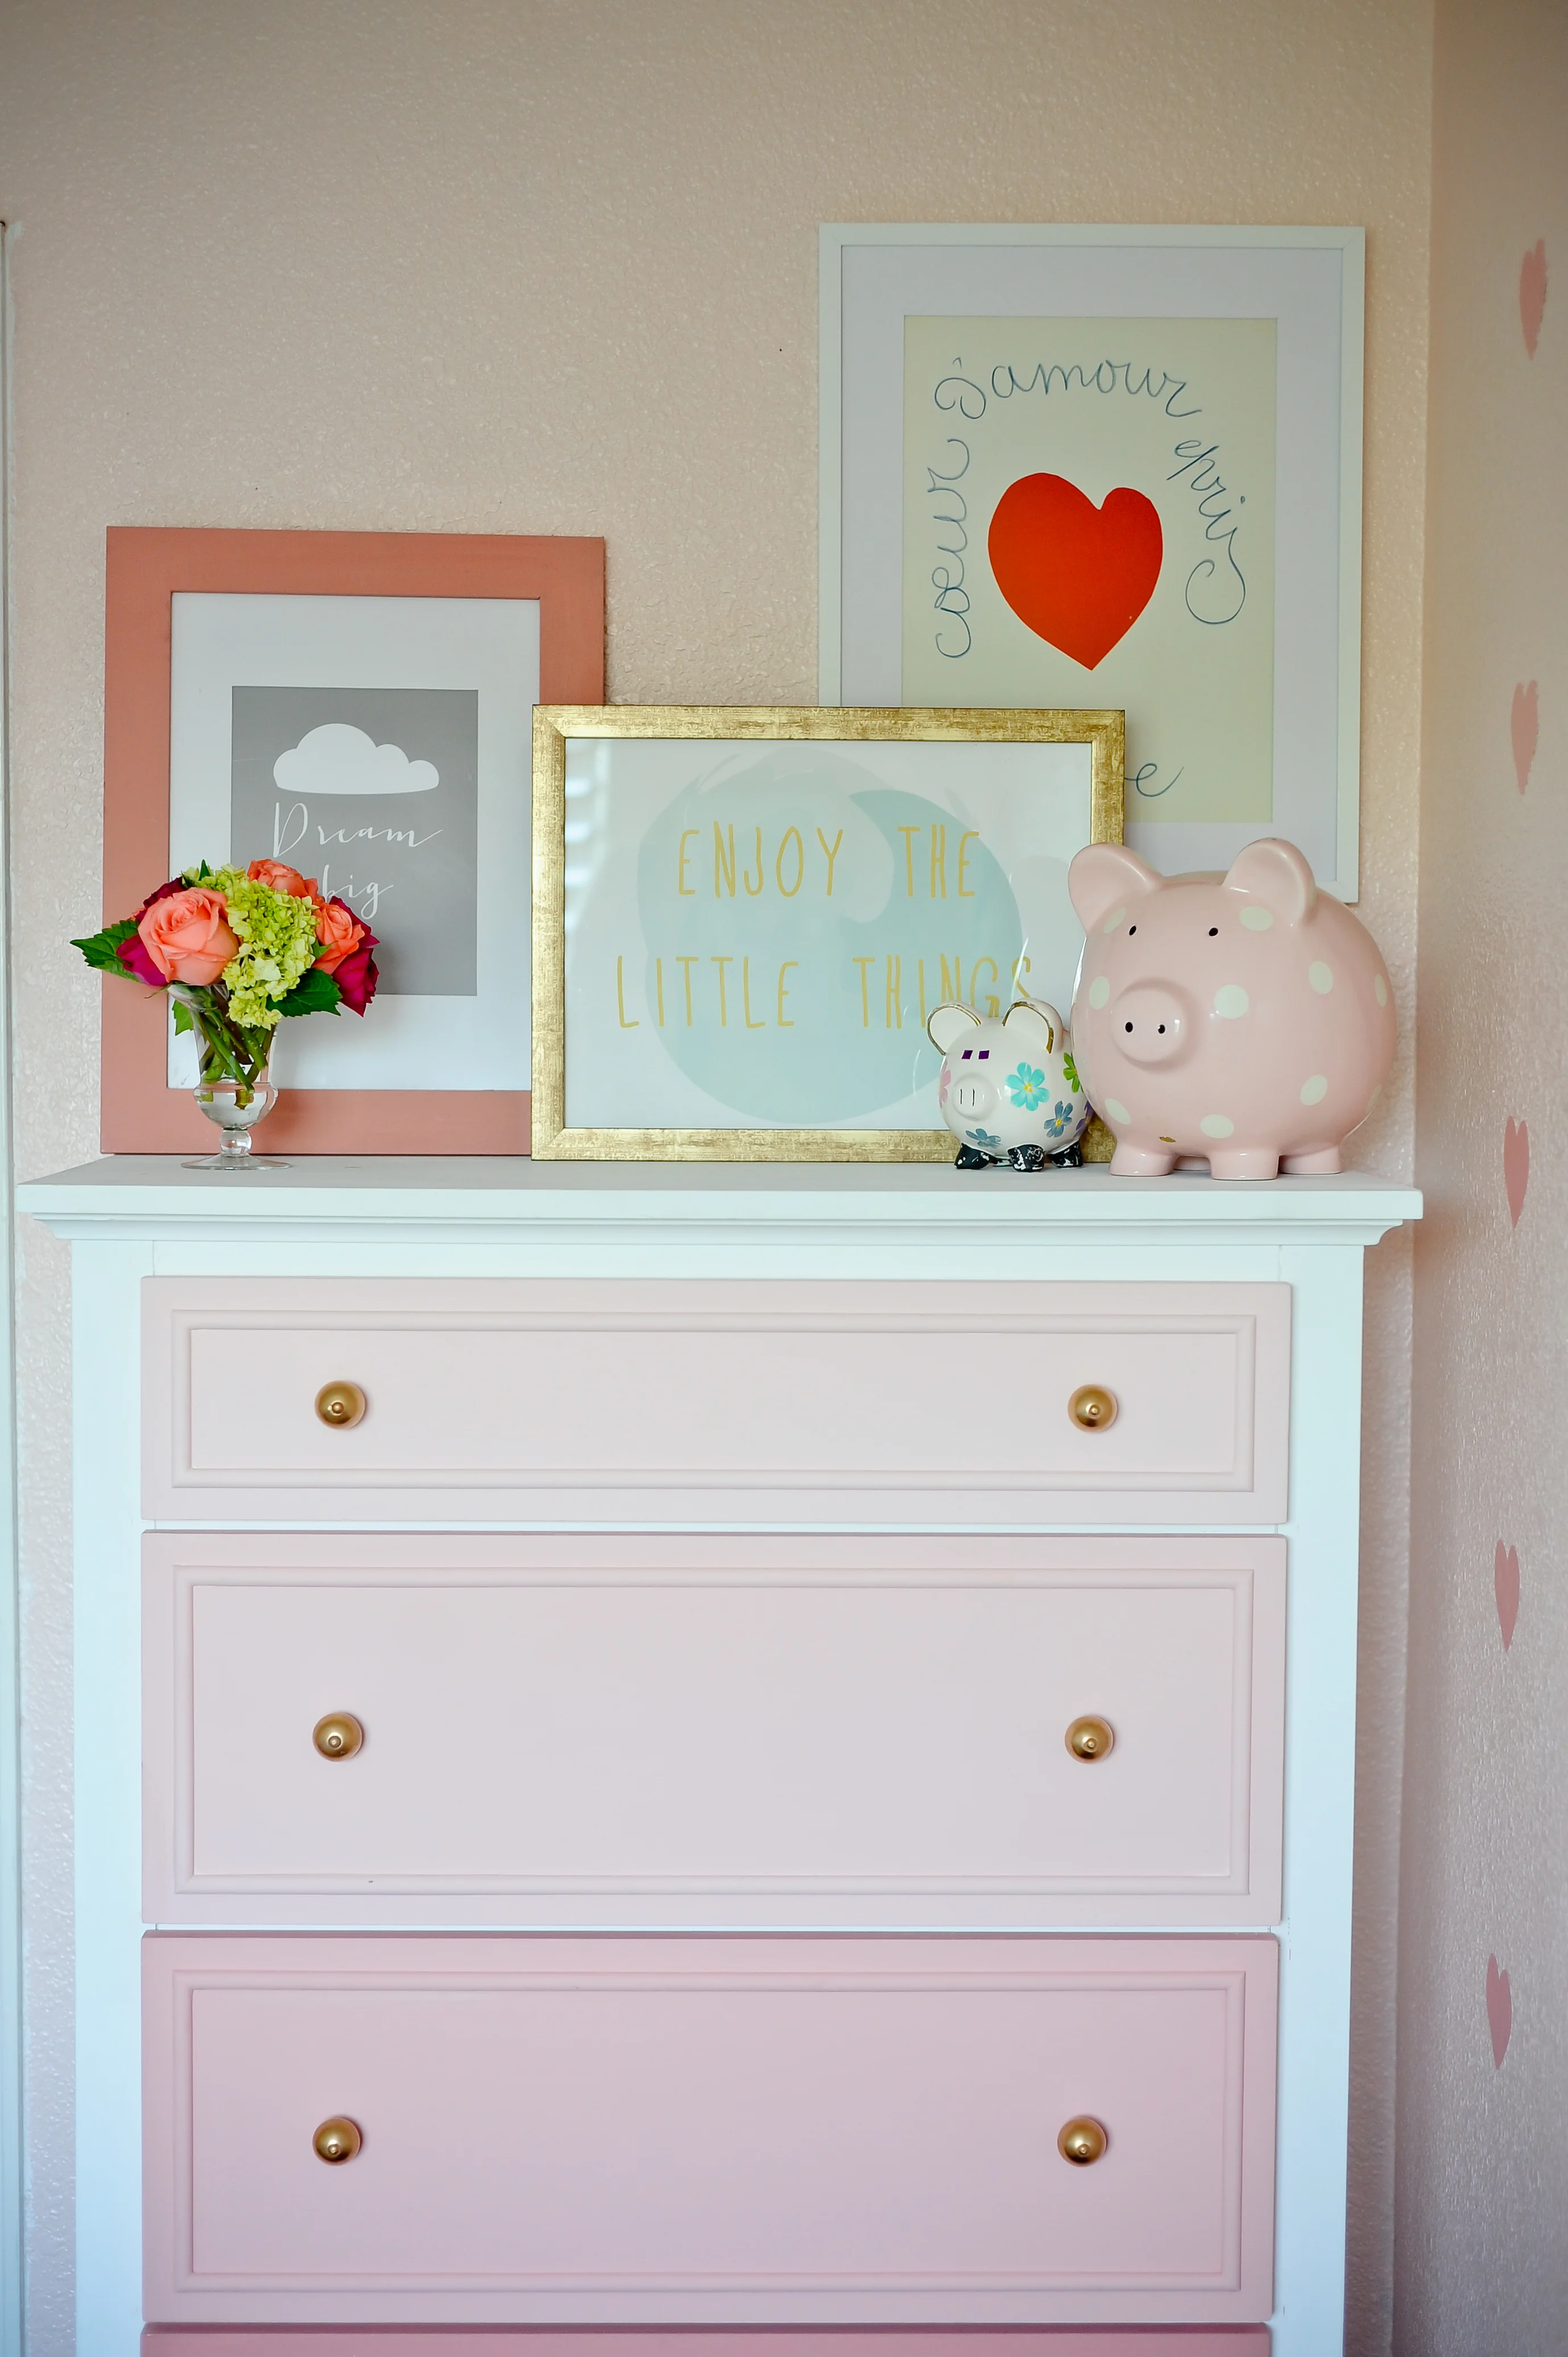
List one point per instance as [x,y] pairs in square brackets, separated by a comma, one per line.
[725,1749]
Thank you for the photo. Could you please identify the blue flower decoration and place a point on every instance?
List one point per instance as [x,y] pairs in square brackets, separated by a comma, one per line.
[1062,1122]
[982,1137]
[1027,1087]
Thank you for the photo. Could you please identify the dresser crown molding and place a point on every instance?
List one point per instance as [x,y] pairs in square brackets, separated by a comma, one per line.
[877,1208]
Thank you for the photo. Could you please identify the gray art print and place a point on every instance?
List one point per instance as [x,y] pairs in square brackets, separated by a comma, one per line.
[374,792]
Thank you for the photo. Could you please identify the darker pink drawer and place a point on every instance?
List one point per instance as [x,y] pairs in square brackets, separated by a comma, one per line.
[708,2131]
[1047,2340]
[675,1403]
[745,1729]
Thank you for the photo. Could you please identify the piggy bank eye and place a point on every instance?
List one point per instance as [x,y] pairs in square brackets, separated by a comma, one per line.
[1131,930]
[1212,930]
[967,1054]
[984,1055]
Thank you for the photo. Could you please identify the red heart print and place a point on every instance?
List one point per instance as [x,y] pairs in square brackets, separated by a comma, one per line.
[1515,1166]
[1525,728]
[1499,2010]
[1504,1582]
[1075,574]
[1533,295]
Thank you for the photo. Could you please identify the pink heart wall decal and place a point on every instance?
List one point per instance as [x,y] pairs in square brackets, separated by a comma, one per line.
[1505,1581]
[1533,295]
[1525,729]
[1499,2010]
[1515,1166]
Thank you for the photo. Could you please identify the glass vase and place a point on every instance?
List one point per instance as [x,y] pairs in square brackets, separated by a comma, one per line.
[236,1102]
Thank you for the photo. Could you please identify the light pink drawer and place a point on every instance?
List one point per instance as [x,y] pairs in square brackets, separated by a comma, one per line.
[723,1731]
[785,2131]
[1047,2340]
[674,1403]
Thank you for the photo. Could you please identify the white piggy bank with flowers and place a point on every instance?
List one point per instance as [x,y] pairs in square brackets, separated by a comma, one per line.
[1009,1089]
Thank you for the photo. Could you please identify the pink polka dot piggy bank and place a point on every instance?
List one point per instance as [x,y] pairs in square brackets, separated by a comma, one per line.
[1243,1019]
[1009,1090]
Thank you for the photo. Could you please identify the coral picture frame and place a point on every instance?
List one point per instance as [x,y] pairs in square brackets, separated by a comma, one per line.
[145,1110]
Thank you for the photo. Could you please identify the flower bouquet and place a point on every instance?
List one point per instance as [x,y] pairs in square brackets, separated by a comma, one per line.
[237,950]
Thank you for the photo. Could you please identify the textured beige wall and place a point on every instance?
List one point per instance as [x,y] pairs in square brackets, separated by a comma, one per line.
[1483,2164]
[550,265]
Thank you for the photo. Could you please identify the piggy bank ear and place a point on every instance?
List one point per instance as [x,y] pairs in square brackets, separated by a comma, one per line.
[1031,1019]
[1275,875]
[947,1025]
[1104,874]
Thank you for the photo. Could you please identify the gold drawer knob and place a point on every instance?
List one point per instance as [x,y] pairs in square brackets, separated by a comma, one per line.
[338,2140]
[1087,1738]
[337,1737]
[1091,1407]
[340,1405]
[1082,2141]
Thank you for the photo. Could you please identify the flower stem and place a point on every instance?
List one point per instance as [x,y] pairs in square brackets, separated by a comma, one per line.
[229,1051]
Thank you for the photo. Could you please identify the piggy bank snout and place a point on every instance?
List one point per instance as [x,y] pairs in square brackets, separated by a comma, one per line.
[1151,1023]
[973,1095]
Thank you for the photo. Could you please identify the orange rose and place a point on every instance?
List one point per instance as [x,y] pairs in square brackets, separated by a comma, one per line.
[339,932]
[186,935]
[280,878]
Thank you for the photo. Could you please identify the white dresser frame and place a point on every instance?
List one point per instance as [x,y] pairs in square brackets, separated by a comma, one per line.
[136,1217]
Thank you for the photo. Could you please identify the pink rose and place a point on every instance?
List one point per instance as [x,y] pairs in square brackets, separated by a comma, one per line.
[175,884]
[132,956]
[357,975]
[279,878]
[187,936]
[339,931]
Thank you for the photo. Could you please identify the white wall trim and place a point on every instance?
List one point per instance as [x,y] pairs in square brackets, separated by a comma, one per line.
[11,2265]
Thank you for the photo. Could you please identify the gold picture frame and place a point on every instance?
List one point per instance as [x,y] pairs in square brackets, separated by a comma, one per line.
[1091,811]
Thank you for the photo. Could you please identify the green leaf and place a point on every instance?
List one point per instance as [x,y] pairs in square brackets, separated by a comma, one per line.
[183,1018]
[314,993]
[99,948]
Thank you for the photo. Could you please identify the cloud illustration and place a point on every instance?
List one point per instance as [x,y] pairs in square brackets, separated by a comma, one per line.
[337,759]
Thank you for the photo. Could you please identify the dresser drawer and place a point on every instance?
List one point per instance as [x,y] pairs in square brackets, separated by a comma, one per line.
[722,2131]
[751,1730]
[674,1402]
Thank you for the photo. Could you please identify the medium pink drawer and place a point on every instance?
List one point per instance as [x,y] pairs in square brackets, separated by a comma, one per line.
[701,2131]
[1062,2340]
[703,1402]
[749,1730]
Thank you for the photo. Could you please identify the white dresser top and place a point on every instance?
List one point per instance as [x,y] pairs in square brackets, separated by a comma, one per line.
[495,1199]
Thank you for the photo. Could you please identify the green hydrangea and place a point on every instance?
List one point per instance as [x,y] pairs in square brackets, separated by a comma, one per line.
[277,945]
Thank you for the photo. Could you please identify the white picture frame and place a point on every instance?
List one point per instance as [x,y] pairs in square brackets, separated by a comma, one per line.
[483,649]
[875,278]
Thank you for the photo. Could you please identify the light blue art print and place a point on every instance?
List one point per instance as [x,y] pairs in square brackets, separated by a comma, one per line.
[832,1035]
[755,933]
